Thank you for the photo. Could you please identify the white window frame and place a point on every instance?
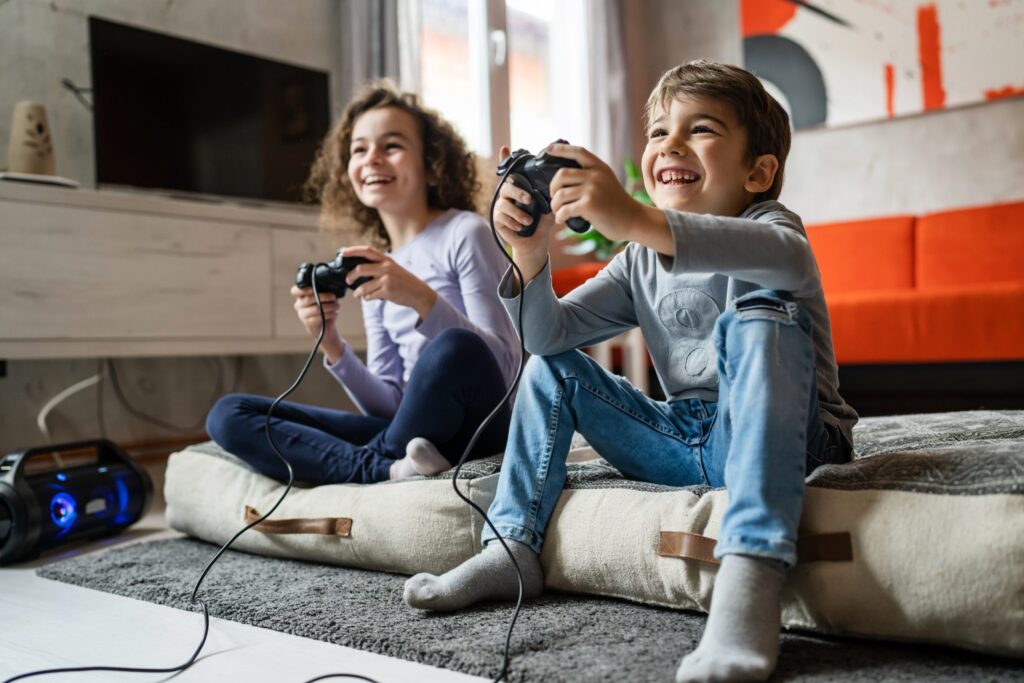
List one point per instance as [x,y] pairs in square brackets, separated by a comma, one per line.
[489,54]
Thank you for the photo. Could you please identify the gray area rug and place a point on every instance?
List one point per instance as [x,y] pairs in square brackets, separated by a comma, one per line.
[558,638]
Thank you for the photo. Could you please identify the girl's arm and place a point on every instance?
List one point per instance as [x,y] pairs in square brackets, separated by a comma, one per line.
[376,387]
[478,263]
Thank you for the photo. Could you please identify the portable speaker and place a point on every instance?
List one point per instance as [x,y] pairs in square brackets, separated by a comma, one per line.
[52,495]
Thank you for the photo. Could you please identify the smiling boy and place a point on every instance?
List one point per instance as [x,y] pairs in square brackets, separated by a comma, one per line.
[720,278]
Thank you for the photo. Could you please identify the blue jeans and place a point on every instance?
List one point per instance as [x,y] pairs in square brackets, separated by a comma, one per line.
[759,440]
[455,384]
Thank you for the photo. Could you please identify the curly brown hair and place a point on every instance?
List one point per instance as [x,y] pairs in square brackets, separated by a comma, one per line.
[450,166]
[764,119]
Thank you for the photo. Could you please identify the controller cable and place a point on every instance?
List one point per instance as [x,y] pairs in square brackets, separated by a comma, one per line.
[194,598]
[506,659]
[195,591]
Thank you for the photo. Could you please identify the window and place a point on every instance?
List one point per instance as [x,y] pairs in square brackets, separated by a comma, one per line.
[506,71]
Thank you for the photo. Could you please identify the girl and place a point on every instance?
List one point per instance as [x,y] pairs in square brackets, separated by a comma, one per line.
[441,349]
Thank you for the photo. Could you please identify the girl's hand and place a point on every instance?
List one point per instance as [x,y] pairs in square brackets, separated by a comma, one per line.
[391,282]
[309,314]
[594,193]
[529,253]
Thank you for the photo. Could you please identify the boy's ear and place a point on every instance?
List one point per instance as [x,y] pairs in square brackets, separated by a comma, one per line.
[762,175]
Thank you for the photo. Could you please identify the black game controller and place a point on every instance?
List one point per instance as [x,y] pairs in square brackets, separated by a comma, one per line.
[534,174]
[330,277]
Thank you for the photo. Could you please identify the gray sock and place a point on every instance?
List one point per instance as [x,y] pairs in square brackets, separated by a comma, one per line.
[487,576]
[741,638]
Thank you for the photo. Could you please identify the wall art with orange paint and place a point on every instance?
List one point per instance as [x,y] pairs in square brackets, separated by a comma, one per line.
[836,62]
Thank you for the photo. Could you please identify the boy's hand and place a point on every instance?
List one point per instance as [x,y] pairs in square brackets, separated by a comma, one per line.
[390,282]
[594,193]
[529,253]
[309,314]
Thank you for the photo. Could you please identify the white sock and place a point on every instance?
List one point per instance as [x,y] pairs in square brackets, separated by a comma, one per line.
[421,458]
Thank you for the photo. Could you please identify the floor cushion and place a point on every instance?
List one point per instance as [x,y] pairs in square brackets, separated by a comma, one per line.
[404,526]
[920,538]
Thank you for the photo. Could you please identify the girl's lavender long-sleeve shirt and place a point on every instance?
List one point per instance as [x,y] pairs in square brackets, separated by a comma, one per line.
[456,255]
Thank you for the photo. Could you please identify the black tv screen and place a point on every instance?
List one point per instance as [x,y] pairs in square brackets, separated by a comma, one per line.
[179,115]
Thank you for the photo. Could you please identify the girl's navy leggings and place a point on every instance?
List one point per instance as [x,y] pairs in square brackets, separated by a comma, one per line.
[454,385]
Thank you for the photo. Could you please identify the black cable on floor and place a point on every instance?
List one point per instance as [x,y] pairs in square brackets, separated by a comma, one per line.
[506,659]
[194,598]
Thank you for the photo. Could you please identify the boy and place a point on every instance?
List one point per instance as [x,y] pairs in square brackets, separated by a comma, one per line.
[721,280]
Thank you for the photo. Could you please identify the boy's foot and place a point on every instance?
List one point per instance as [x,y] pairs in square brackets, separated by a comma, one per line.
[484,577]
[421,458]
[741,638]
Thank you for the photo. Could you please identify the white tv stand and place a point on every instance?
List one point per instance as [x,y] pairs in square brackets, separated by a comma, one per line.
[86,273]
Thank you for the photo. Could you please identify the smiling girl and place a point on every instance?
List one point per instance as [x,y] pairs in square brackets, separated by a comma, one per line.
[441,350]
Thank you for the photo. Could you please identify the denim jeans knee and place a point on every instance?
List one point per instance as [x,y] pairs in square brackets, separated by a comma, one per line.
[767,406]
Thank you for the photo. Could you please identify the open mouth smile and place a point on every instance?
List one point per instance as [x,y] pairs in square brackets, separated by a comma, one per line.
[677,176]
[377,179]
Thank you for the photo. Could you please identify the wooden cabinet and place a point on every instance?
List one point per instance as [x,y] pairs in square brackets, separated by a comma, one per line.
[88,273]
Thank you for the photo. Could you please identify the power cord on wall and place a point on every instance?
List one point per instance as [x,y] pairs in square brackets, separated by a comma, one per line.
[194,598]
[191,429]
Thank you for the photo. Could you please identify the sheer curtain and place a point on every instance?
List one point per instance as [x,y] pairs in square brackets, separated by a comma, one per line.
[609,117]
[369,42]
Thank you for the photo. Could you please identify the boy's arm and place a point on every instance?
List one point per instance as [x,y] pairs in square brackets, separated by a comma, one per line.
[594,192]
[766,246]
[599,309]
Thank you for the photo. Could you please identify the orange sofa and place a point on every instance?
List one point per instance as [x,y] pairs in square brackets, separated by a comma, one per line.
[939,288]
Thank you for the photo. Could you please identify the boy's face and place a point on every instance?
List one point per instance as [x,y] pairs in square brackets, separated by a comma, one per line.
[696,160]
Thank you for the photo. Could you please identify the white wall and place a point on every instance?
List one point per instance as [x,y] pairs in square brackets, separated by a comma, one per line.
[44,41]
[953,158]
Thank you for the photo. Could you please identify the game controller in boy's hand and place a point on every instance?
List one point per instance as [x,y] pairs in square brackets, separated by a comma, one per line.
[534,174]
[330,277]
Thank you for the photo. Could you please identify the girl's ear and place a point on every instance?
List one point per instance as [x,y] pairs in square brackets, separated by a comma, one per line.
[762,175]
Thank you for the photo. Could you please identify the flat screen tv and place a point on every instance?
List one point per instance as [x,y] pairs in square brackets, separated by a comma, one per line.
[178,115]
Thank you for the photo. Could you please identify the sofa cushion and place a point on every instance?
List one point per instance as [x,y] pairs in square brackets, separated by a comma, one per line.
[865,255]
[567,279]
[967,324]
[968,247]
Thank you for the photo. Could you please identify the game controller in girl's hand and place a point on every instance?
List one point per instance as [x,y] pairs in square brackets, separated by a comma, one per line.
[330,277]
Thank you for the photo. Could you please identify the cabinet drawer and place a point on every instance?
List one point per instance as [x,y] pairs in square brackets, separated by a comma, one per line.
[89,274]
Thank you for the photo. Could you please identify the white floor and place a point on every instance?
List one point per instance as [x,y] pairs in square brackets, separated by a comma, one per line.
[47,624]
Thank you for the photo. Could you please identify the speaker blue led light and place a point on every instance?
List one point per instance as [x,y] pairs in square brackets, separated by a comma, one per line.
[99,491]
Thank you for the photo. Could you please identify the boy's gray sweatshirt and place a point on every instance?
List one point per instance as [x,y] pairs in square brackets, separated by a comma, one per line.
[676,300]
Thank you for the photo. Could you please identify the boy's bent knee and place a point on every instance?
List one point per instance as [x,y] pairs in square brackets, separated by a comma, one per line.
[560,365]
[768,304]
[774,308]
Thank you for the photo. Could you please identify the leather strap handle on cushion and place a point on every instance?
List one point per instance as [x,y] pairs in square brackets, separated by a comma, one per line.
[327,526]
[836,547]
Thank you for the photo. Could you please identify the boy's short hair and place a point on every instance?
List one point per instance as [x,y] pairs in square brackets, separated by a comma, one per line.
[764,119]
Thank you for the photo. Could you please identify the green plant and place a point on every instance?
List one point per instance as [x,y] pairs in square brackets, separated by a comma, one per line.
[592,240]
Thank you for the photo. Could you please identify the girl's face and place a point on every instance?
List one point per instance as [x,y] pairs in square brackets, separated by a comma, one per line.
[386,167]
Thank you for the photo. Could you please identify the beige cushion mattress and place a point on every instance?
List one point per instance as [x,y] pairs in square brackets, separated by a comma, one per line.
[924,531]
